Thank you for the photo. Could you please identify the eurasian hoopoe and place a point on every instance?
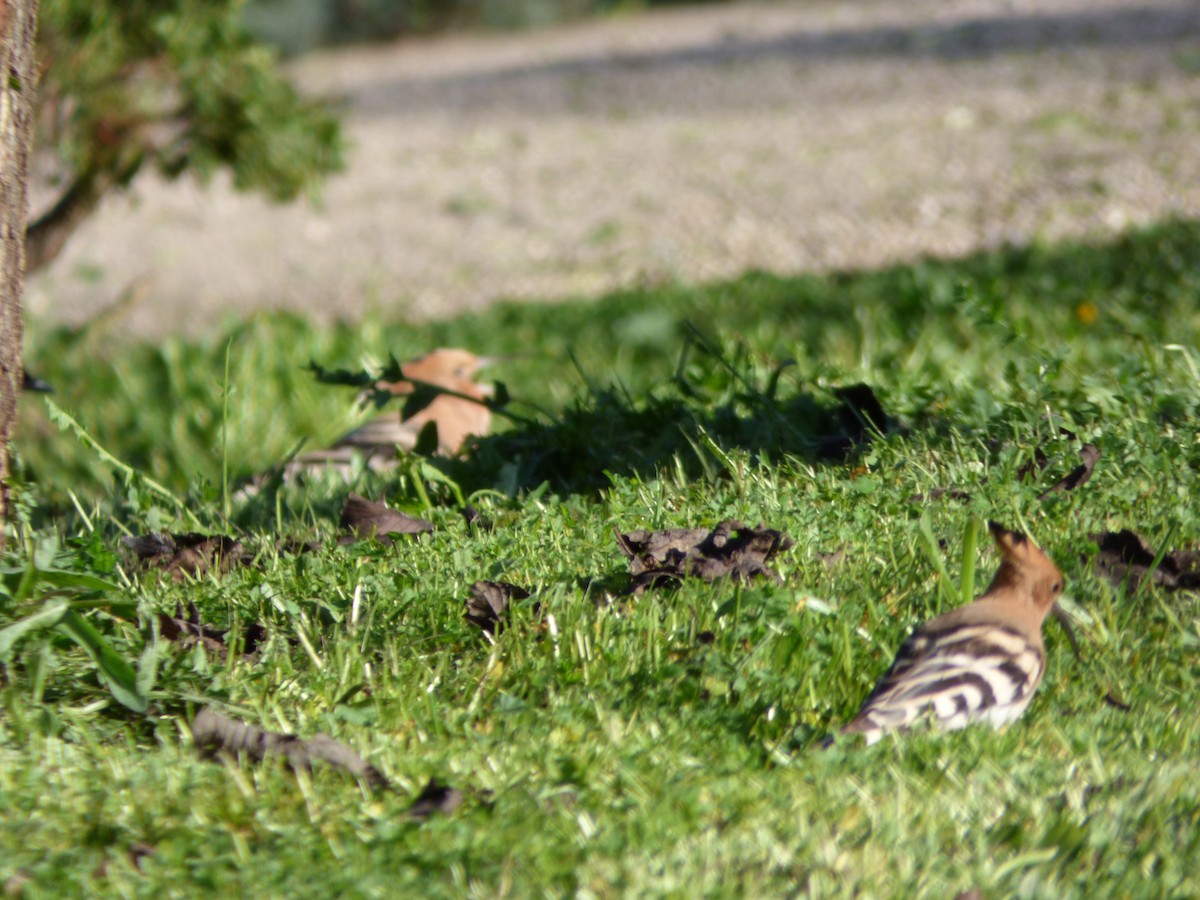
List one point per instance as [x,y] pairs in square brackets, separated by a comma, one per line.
[457,417]
[980,662]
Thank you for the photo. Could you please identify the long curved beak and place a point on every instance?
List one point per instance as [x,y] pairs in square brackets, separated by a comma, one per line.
[1064,619]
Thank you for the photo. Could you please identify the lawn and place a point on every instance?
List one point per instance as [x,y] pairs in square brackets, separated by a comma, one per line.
[604,743]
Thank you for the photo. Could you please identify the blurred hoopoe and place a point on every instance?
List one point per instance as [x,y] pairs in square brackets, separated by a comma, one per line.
[457,417]
[980,662]
[459,411]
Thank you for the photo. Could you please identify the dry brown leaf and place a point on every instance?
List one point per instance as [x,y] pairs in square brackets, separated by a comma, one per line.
[186,555]
[730,549]
[150,546]
[444,410]
[435,798]
[860,416]
[217,734]
[1116,702]
[188,631]
[488,603]
[939,493]
[365,518]
[1089,455]
[475,519]
[1028,470]
[1126,556]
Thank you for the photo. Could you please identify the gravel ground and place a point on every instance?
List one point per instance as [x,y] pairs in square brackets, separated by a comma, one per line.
[687,144]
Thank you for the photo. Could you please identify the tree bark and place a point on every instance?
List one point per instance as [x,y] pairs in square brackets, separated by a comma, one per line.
[18,28]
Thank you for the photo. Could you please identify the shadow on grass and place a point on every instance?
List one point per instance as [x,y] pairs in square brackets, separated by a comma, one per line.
[161,409]
[682,426]
[607,434]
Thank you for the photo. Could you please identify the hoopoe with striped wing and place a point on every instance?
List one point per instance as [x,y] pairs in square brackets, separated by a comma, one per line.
[980,662]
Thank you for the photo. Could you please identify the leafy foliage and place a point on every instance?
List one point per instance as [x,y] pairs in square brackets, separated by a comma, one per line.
[38,593]
[178,85]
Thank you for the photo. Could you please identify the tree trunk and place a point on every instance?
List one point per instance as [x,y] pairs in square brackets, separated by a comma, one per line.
[18,28]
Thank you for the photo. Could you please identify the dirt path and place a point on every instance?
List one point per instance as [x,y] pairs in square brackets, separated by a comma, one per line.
[689,144]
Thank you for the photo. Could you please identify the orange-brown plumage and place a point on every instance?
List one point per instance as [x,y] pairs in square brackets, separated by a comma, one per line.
[442,390]
[459,409]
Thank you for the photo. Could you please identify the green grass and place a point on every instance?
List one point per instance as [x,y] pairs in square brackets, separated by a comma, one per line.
[611,751]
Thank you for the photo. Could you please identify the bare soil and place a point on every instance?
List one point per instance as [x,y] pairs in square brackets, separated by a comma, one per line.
[690,144]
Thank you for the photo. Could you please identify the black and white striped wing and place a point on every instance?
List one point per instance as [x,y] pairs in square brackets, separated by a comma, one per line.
[959,675]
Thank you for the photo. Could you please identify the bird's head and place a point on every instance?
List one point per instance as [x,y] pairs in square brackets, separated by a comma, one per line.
[1025,569]
[447,367]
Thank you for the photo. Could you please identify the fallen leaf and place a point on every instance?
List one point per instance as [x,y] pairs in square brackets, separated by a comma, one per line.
[365,518]
[488,603]
[1125,557]
[150,546]
[1089,455]
[186,555]
[730,549]
[444,407]
[953,493]
[435,798]
[188,631]
[217,734]
[296,547]
[860,416]
[475,519]
[138,852]
[1116,702]
[860,413]
[1035,465]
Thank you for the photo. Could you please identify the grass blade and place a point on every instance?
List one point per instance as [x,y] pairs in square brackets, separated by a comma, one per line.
[147,670]
[116,672]
[934,553]
[969,557]
[47,617]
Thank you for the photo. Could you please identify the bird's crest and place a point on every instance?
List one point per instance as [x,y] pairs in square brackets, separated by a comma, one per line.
[1024,568]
